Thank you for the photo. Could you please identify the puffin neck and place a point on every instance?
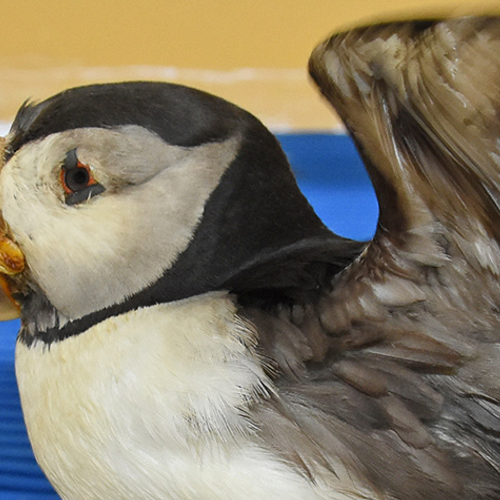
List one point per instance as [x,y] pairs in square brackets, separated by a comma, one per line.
[276,271]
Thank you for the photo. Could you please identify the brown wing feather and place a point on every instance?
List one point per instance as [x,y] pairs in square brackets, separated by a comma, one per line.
[394,371]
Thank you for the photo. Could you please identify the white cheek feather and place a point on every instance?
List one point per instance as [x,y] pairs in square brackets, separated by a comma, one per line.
[97,254]
[151,405]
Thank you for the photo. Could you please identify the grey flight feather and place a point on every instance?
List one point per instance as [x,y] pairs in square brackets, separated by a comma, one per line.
[395,368]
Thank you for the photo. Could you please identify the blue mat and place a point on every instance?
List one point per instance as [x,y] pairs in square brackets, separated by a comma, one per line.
[332,177]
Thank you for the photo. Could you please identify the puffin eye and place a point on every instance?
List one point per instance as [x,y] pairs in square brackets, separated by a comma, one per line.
[77,180]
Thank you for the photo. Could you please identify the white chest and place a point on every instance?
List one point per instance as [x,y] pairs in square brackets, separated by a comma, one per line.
[149,405]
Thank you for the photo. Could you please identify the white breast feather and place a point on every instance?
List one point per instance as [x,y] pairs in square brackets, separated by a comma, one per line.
[151,405]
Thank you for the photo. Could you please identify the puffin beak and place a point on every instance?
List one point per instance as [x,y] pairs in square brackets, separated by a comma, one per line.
[11,263]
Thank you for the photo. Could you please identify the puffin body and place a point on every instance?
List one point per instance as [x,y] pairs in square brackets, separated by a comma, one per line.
[191,329]
[168,419]
[202,226]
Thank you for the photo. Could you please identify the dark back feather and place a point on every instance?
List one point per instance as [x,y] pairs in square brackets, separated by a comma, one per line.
[392,367]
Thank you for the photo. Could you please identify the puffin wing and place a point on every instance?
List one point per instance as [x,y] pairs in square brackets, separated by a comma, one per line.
[422,101]
[400,360]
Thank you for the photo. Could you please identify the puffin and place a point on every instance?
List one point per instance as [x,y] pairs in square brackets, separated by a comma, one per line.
[190,329]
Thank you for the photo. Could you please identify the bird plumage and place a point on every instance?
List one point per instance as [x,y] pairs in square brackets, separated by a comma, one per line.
[194,331]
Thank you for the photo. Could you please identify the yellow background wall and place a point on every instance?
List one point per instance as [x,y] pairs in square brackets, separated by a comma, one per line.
[48,45]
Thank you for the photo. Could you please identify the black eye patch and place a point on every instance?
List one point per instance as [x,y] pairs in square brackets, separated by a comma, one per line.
[84,194]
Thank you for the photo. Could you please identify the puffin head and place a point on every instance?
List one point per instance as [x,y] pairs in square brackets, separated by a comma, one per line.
[120,196]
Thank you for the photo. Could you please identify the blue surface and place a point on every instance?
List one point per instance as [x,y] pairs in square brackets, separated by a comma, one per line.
[332,177]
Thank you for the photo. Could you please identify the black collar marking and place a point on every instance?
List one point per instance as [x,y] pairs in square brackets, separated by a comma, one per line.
[305,268]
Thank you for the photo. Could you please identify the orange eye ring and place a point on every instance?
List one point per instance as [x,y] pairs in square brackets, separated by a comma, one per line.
[76,178]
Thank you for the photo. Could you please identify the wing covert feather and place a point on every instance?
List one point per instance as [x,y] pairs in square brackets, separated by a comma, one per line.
[394,369]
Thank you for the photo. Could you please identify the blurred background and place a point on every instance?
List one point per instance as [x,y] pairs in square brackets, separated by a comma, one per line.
[251,52]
